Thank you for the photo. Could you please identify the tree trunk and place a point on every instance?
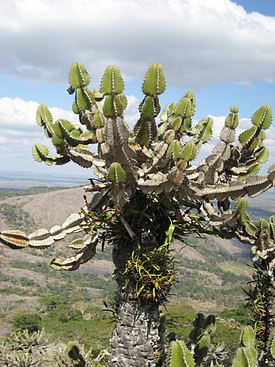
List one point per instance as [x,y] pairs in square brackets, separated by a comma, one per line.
[136,340]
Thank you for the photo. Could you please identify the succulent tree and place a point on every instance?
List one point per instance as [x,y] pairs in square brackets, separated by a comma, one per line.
[147,191]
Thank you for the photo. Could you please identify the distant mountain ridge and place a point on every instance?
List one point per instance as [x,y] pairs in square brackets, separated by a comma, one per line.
[45,209]
[261,206]
[14,180]
[211,271]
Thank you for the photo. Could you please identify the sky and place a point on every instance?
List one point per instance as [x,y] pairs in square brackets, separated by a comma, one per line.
[222,50]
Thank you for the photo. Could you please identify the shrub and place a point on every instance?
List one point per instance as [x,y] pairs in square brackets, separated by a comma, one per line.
[51,302]
[27,321]
[65,313]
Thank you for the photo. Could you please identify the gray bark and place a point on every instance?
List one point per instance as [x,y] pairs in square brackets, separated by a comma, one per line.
[136,340]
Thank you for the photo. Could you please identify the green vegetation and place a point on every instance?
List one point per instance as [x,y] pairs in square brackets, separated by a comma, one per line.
[64,313]
[26,349]
[60,321]
[52,302]
[205,281]
[202,351]
[92,326]
[64,296]
[95,332]
[27,321]
[15,216]
[64,284]
[240,314]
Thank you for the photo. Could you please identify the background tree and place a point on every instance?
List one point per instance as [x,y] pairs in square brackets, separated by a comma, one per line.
[148,192]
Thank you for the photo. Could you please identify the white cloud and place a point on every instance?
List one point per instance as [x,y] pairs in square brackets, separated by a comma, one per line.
[131,112]
[19,131]
[198,42]
[18,115]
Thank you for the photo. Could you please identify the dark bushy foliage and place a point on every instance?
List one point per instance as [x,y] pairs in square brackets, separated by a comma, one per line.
[52,302]
[27,321]
[65,313]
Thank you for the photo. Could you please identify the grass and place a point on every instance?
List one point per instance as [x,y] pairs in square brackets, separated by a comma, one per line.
[178,319]
[235,268]
[95,333]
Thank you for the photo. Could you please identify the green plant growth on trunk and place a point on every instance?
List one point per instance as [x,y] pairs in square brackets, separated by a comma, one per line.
[148,191]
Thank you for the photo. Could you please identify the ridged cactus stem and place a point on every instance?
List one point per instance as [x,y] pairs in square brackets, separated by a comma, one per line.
[246,354]
[178,355]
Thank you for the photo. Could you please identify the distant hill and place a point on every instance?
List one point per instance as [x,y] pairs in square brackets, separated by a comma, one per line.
[15,180]
[262,206]
[210,271]
[43,209]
